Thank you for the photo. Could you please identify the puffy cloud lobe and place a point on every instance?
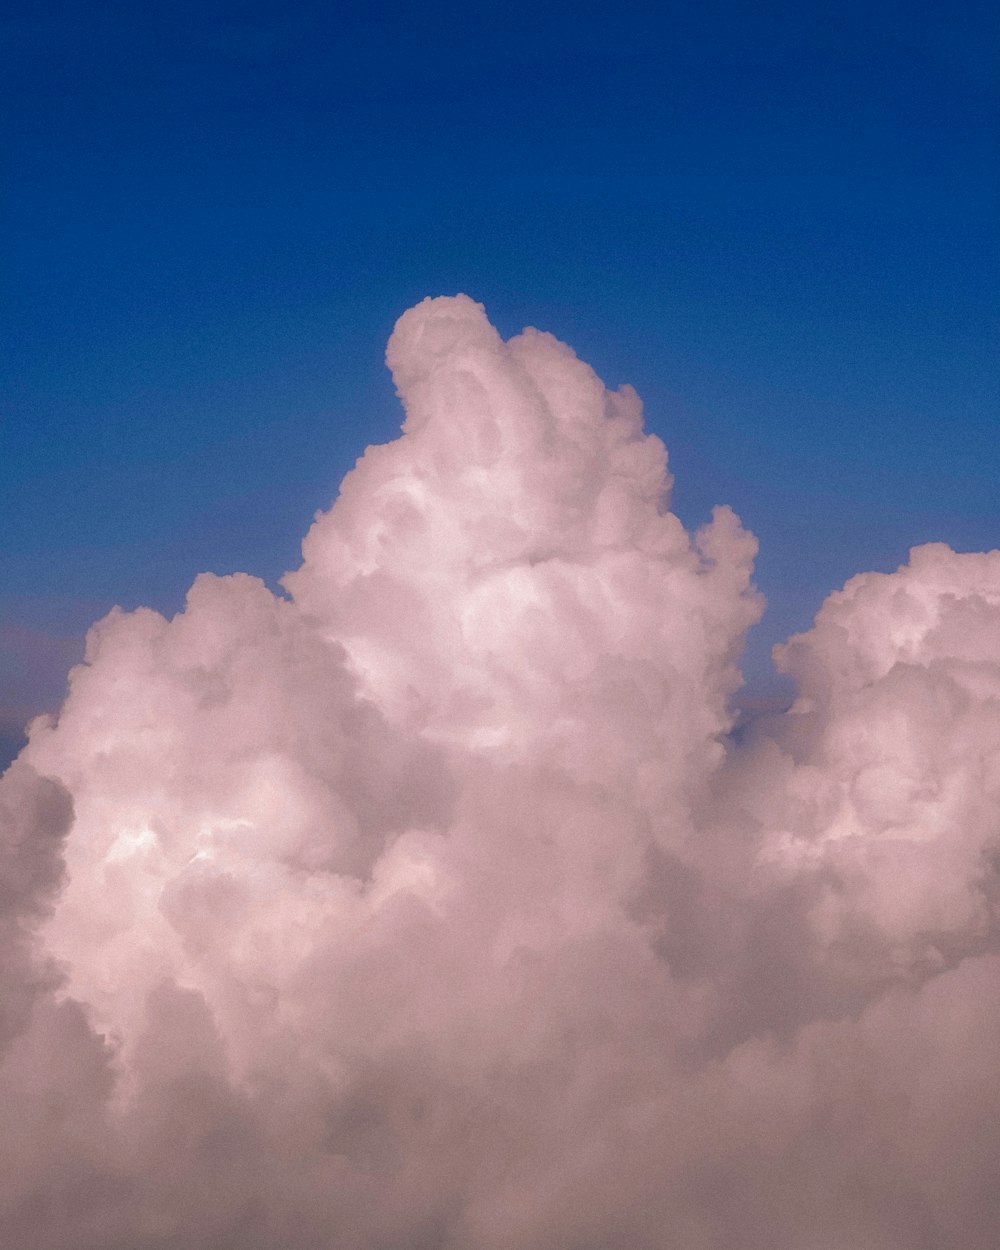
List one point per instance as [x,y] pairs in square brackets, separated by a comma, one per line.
[896,740]
[434,905]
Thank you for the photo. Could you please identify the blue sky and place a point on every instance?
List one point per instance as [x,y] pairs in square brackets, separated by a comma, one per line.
[778,222]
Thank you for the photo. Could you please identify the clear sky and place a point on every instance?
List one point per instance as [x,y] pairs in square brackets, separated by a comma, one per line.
[778,222]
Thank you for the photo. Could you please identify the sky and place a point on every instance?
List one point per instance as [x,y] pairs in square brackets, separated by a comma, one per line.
[777,222]
[442,412]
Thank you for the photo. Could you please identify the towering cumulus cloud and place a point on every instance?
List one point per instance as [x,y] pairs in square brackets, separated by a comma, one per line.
[433,905]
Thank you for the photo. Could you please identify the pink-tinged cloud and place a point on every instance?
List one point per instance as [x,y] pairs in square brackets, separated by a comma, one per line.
[433,907]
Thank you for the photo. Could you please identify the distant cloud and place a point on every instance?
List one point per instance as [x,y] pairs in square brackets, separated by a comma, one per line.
[438,906]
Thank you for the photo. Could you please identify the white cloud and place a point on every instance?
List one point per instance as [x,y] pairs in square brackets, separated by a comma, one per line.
[434,907]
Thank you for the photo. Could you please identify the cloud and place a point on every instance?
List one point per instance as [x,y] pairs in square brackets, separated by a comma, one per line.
[435,906]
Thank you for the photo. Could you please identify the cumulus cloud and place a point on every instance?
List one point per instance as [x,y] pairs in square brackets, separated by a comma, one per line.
[434,906]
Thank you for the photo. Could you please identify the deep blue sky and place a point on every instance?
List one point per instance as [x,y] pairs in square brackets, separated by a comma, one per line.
[778,221]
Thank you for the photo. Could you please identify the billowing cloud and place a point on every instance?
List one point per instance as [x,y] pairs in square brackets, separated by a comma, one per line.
[433,906]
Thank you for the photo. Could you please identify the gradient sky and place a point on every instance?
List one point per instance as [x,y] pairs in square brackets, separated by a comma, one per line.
[778,222]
